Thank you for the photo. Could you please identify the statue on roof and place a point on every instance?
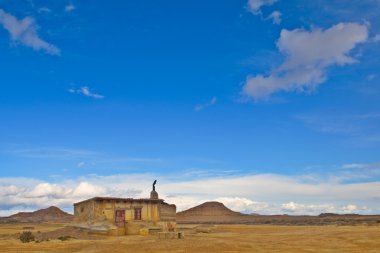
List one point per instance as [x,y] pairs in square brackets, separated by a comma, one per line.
[154,185]
[153,193]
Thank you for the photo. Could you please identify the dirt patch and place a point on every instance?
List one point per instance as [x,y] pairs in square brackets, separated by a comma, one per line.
[68,233]
[222,238]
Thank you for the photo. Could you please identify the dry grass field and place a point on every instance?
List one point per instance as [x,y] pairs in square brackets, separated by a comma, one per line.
[221,238]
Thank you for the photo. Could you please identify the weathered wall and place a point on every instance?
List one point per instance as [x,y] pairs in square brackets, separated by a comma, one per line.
[149,211]
[84,212]
[98,210]
[167,212]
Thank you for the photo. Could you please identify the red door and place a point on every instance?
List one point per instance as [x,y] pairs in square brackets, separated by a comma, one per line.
[120,218]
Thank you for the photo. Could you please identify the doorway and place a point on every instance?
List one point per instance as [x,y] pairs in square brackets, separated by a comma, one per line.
[120,218]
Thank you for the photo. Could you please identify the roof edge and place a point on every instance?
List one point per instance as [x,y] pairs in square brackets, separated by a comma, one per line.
[119,199]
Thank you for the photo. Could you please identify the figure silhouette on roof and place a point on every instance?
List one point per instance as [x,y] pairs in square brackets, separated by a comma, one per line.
[154,185]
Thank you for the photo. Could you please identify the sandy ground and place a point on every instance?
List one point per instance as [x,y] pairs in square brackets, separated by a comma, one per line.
[222,238]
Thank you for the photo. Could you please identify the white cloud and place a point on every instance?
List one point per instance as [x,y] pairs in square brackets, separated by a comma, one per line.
[292,207]
[48,190]
[51,152]
[276,17]
[354,166]
[44,9]
[350,209]
[85,90]
[70,7]
[376,38]
[267,187]
[371,77]
[297,208]
[308,55]
[86,189]
[375,115]
[362,170]
[244,205]
[183,202]
[255,5]
[81,164]
[331,124]
[25,32]
[16,195]
[200,107]
[263,193]
[5,213]
[358,129]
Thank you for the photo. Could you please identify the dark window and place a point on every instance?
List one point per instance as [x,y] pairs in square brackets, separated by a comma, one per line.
[137,213]
[82,209]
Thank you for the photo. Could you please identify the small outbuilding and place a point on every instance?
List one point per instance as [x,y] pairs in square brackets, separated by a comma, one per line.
[126,216]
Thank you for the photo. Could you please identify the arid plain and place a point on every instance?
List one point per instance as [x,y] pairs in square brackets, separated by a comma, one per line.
[214,238]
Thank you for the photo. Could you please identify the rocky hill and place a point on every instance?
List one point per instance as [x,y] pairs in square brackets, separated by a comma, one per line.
[211,208]
[50,214]
[209,212]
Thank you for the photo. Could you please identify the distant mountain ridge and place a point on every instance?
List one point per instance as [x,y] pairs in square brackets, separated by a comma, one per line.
[50,214]
[217,213]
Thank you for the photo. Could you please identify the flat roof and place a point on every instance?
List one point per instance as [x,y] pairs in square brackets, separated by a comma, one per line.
[120,199]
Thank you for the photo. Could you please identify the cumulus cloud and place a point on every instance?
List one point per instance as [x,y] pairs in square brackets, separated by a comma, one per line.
[200,107]
[48,190]
[308,55]
[275,17]
[70,7]
[376,38]
[85,90]
[245,205]
[25,32]
[255,5]
[262,193]
[17,196]
[293,207]
[297,208]
[86,189]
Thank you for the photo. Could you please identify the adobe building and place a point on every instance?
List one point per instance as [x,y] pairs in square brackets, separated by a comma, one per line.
[126,216]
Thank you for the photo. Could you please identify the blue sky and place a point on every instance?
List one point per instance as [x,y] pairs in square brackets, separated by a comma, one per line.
[256,96]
